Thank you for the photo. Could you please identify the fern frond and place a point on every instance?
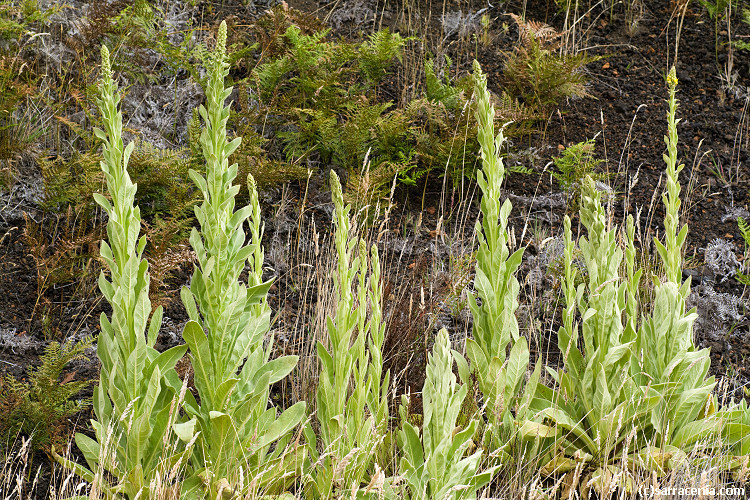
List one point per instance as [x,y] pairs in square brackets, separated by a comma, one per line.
[744,230]
[268,76]
[378,51]
[531,31]
[437,90]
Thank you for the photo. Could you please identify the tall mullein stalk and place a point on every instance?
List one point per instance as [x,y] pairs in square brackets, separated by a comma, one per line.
[501,374]
[671,250]
[378,383]
[352,403]
[135,402]
[228,331]
[665,354]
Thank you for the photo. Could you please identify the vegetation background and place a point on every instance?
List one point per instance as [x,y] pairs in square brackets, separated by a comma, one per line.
[383,95]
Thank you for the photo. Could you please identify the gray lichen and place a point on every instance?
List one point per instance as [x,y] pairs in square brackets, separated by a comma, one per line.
[721,259]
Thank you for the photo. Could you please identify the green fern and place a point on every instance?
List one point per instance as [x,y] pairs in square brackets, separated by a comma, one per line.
[253,159]
[378,52]
[361,120]
[313,60]
[539,76]
[161,174]
[269,30]
[269,75]
[443,91]
[39,407]
[576,163]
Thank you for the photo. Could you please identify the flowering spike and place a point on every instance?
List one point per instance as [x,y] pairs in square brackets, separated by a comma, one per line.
[672,256]
[336,192]
[221,40]
[672,80]
[106,66]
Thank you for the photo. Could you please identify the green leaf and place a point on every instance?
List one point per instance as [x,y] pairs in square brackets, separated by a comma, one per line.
[222,436]
[257,293]
[288,420]
[279,368]
[196,340]
[479,361]
[154,326]
[518,363]
[602,399]
[220,395]
[77,469]
[464,372]
[566,421]
[89,448]
[199,181]
[617,353]
[185,430]
[412,445]
[693,432]
[104,203]
[531,429]
[325,358]
[168,359]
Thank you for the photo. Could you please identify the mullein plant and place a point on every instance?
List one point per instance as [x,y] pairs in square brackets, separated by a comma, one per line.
[136,402]
[597,412]
[634,396]
[665,354]
[735,429]
[686,418]
[240,443]
[352,394]
[500,371]
[434,461]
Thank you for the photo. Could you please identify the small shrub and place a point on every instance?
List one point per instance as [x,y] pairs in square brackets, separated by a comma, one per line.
[251,156]
[442,127]
[270,28]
